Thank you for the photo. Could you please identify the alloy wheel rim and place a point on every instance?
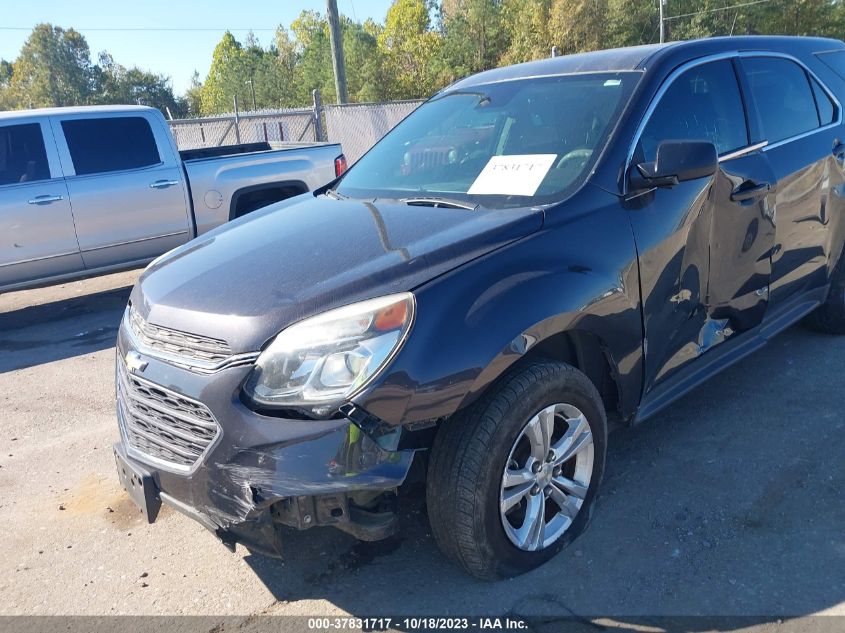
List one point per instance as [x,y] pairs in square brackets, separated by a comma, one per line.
[546,477]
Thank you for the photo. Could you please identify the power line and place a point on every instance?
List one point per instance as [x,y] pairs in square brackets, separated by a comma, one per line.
[733,6]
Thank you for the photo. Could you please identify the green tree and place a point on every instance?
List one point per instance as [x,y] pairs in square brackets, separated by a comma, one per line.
[53,69]
[252,63]
[314,67]
[793,17]
[224,77]
[233,67]
[409,46]
[576,26]
[474,36]
[631,23]
[526,27]
[6,101]
[5,73]
[276,77]
[366,76]
[798,17]
[116,84]
[193,96]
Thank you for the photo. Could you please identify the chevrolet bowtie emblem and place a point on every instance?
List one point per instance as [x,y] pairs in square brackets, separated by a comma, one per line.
[134,362]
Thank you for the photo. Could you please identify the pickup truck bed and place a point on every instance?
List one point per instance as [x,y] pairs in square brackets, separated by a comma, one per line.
[224,150]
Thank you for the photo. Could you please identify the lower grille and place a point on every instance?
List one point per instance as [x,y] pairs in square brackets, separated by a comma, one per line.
[162,424]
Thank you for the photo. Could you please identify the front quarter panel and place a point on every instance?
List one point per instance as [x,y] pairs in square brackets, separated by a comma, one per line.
[578,273]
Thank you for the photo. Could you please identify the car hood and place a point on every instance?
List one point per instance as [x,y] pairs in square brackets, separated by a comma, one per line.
[247,280]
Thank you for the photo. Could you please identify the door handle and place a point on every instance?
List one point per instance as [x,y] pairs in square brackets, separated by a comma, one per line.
[163,184]
[45,199]
[749,191]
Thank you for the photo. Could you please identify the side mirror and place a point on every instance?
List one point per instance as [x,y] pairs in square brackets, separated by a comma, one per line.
[677,161]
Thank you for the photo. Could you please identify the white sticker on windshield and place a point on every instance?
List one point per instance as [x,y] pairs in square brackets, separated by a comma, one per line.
[517,175]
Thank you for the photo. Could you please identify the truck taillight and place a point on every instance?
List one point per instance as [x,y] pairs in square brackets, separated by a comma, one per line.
[340,166]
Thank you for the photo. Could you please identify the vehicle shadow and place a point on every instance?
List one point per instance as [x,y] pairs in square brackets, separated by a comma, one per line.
[719,514]
[62,328]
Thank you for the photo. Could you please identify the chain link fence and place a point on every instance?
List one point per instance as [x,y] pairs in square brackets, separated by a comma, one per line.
[250,127]
[356,126]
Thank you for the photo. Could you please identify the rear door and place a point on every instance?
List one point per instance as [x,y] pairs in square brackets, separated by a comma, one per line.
[126,184]
[797,119]
[37,236]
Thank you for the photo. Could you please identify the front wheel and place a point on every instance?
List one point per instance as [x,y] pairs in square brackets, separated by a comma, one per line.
[512,480]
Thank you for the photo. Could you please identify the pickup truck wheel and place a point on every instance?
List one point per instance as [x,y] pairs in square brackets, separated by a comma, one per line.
[512,479]
[830,316]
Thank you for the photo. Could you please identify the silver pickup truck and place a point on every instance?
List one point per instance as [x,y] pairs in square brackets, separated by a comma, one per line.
[91,190]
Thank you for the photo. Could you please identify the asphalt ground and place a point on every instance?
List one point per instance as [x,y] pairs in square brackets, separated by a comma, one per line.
[730,503]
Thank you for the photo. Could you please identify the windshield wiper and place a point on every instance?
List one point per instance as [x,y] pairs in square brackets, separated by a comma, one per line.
[445,203]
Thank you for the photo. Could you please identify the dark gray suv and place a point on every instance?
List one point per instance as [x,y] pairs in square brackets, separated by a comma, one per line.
[535,252]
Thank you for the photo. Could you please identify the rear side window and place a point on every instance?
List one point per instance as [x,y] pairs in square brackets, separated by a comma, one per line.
[22,154]
[825,107]
[702,104]
[783,97]
[110,144]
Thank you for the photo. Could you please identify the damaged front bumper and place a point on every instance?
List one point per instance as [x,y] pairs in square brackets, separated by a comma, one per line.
[257,471]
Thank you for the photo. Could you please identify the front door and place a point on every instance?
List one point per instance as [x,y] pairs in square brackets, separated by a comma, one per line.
[126,183]
[704,244]
[37,236]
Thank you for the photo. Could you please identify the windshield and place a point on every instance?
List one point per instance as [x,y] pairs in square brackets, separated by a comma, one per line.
[512,143]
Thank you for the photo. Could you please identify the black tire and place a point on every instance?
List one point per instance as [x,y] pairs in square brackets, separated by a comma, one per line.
[829,317]
[468,460]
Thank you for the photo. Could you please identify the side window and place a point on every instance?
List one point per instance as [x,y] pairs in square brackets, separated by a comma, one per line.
[110,144]
[22,154]
[825,107]
[783,97]
[702,104]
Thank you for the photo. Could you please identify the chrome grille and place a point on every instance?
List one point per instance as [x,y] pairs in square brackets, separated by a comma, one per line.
[189,348]
[429,158]
[162,424]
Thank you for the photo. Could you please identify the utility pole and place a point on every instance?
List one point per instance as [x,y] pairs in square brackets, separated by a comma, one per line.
[337,51]
[662,22]
[252,86]
[237,121]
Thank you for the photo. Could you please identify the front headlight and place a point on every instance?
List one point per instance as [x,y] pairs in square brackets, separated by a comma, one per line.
[316,364]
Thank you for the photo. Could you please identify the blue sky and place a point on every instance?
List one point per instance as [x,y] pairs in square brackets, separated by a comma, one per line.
[115,26]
